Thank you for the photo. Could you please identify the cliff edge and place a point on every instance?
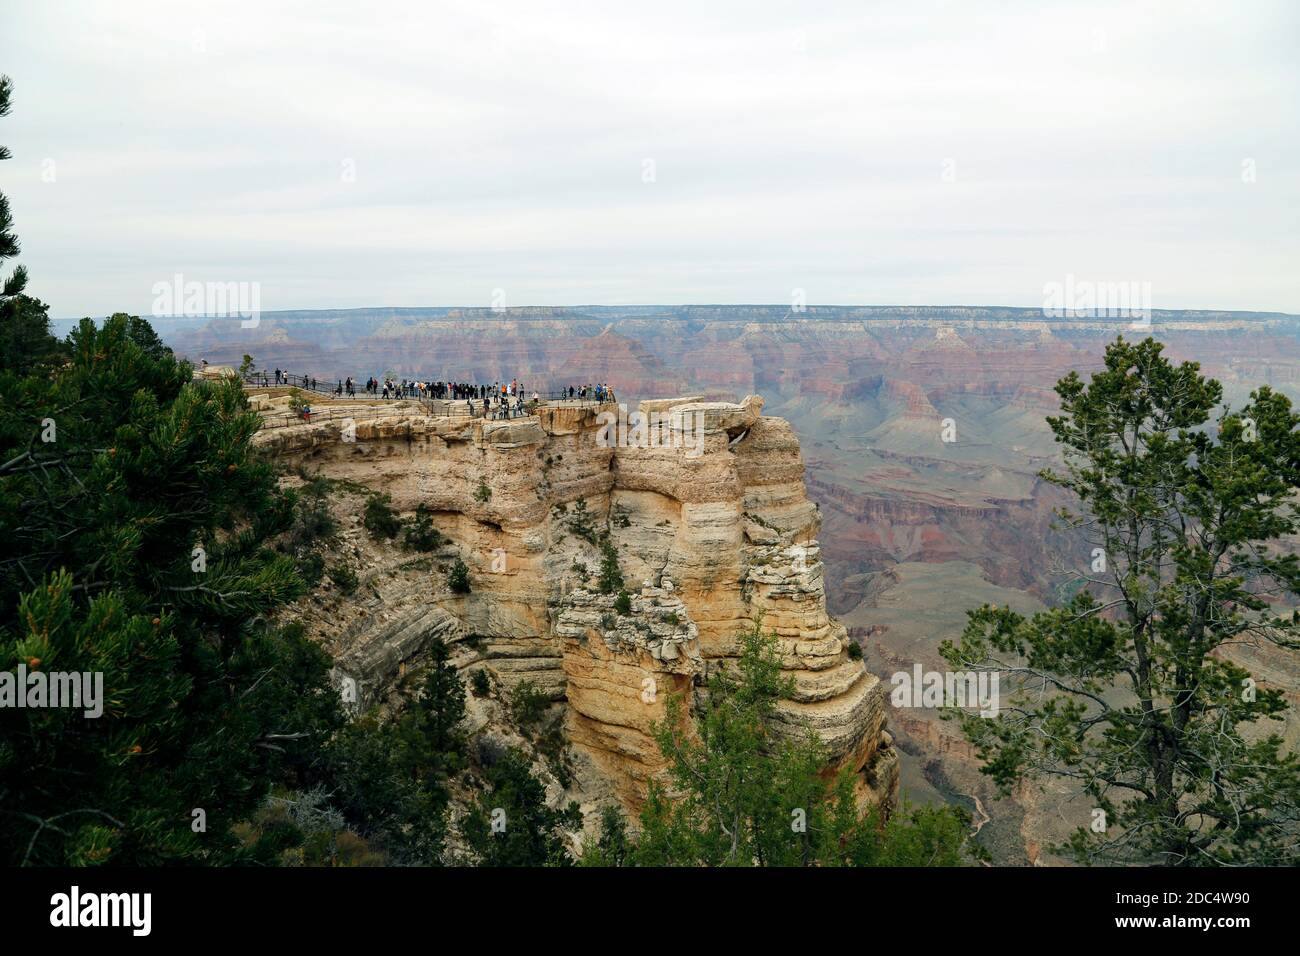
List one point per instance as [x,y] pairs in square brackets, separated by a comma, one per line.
[702,502]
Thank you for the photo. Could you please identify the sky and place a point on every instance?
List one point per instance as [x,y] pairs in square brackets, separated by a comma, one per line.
[344,154]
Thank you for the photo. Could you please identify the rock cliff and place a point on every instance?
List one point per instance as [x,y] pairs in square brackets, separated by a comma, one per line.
[702,502]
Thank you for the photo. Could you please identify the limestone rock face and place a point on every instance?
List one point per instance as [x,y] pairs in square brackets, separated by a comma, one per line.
[621,670]
[704,505]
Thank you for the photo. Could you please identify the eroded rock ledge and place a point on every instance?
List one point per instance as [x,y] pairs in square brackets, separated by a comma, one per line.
[712,529]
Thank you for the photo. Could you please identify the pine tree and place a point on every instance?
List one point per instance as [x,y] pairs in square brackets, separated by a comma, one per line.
[747,795]
[135,514]
[1129,695]
[9,246]
[512,825]
[441,705]
[389,779]
[25,339]
[611,577]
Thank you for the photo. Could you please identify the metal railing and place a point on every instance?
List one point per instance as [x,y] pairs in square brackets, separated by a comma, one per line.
[282,419]
[262,379]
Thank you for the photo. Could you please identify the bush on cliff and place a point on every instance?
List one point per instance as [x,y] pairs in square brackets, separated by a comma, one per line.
[420,534]
[313,524]
[380,519]
[749,797]
[528,703]
[611,577]
[511,825]
[388,780]
[458,577]
[582,522]
[344,578]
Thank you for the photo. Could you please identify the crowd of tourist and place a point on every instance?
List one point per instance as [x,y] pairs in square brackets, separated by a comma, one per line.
[498,400]
[412,388]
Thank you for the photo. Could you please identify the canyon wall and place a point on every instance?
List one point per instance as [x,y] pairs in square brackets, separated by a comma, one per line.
[712,530]
[923,431]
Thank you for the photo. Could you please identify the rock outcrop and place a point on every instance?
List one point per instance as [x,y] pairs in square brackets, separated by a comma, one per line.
[702,502]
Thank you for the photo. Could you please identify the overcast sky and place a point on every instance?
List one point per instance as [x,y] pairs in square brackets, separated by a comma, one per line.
[347,154]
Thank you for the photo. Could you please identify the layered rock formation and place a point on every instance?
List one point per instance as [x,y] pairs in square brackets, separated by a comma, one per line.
[704,505]
[868,389]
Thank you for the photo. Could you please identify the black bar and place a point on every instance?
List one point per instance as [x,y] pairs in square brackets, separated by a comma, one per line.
[933,910]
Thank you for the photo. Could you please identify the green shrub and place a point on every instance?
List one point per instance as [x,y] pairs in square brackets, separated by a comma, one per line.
[482,493]
[536,835]
[458,577]
[420,534]
[480,683]
[611,578]
[528,703]
[344,578]
[855,651]
[553,744]
[312,520]
[380,519]
[311,568]
[581,523]
[623,603]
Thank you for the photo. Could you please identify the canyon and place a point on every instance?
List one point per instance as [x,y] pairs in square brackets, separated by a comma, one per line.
[921,436]
[711,534]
